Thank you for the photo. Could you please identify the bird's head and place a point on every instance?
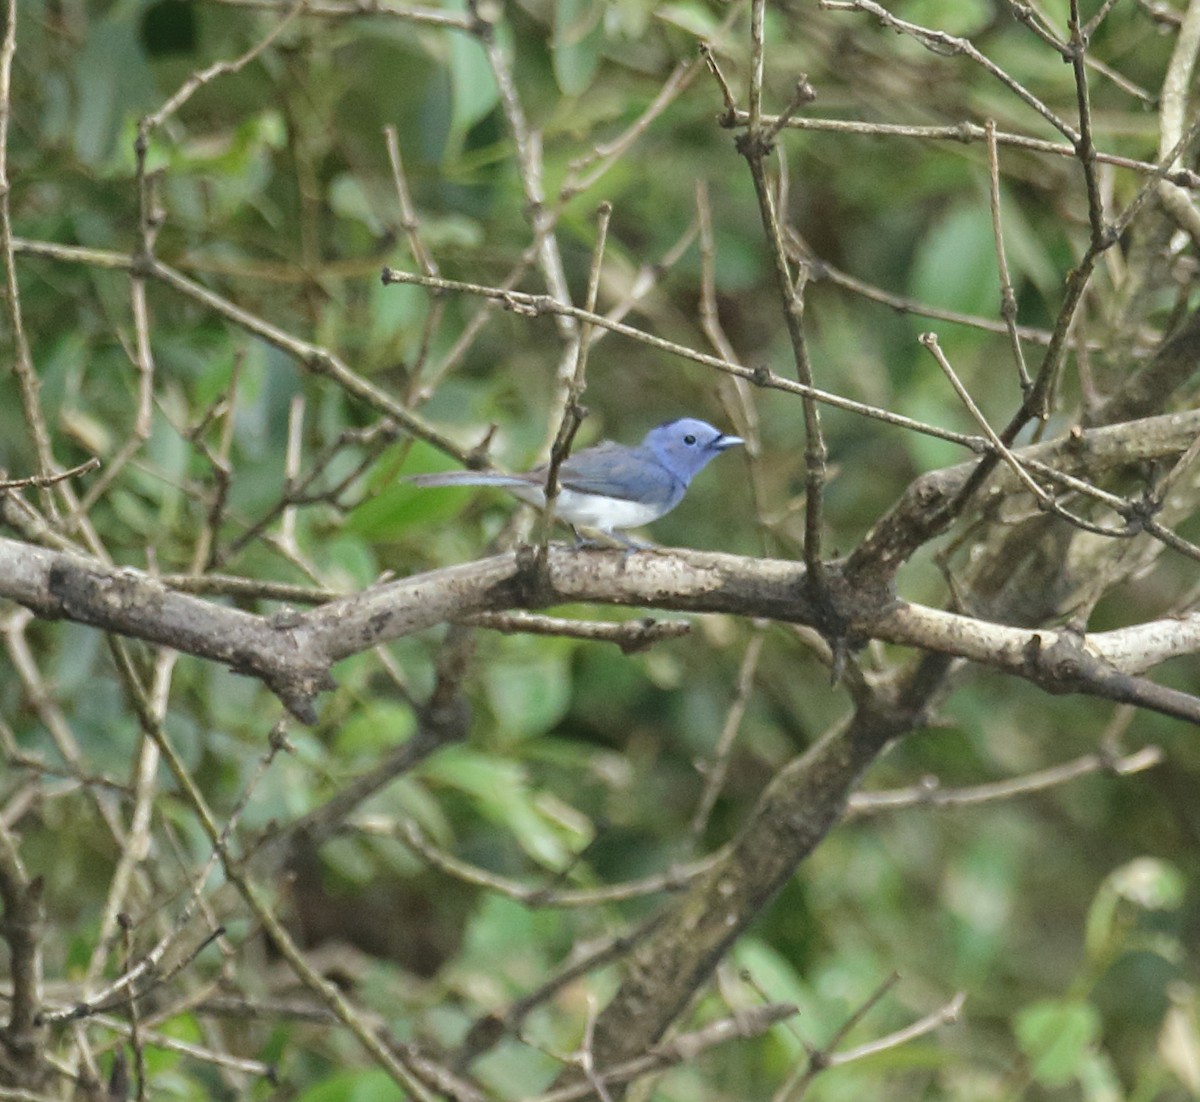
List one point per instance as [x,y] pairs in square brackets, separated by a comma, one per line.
[686,445]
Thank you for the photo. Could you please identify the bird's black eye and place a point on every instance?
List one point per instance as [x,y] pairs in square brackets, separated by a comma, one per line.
[689,439]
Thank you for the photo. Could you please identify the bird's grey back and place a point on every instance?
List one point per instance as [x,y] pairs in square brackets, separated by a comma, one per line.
[606,469]
[616,470]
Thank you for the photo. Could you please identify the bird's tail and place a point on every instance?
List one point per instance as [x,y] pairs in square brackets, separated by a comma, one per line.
[466,478]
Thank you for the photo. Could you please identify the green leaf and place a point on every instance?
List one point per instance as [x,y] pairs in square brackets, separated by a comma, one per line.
[1144,884]
[1057,1037]
[371,1085]
[113,82]
[374,727]
[955,266]
[401,508]
[774,974]
[502,793]
[473,90]
[979,892]
[578,36]
[393,507]
[962,17]
[529,685]
[694,18]
[509,939]
[346,562]
[1150,884]
[348,198]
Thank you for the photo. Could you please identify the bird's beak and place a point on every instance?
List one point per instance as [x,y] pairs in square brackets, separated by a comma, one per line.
[722,442]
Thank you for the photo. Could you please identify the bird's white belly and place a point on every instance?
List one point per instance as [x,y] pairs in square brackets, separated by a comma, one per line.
[593,510]
[604,513]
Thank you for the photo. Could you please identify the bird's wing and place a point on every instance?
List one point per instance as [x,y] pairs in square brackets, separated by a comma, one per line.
[613,470]
[607,469]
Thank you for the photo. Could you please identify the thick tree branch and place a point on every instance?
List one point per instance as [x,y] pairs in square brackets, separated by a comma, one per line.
[920,513]
[292,652]
[799,807]
[21,1040]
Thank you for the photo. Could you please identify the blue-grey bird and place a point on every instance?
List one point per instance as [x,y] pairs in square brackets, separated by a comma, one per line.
[611,487]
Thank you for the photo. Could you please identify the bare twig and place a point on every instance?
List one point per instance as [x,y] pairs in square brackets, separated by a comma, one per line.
[573,412]
[1085,147]
[411,225]
[744,1024]
[490,1029]
[49,480]
[148,967]
[533,305]
[1044,499]
[630,635]
[929,792]
[397,1065]
[943,1016]
[1172,115]
[714,771]
[353,9]
[22,366]
[199,79]
[820,1059]
[966,132]
[738,395]
[585,172]
[949,45]
[755,145]
[1008,298]
[411,835]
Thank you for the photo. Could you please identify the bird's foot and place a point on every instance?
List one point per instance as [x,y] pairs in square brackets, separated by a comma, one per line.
[610,539]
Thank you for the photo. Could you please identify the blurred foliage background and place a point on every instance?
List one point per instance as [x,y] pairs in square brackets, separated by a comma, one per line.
[1069,917]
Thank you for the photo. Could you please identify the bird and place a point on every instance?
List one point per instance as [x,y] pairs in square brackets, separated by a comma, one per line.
[611,487]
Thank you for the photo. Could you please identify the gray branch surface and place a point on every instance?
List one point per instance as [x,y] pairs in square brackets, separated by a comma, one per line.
[293,652]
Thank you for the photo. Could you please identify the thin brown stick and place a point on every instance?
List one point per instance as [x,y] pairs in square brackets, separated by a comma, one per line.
[943,44]
[1085,146]
[147,968]
[530,305]
[1008,297]
[22,366]
[930,793]
[755,145]
[399,1068]
[744,1024]
[671,880]
[573,412]
[965,133]
[717,767]
[820,1059]
[49,480]
[631,636]
[352,9]
[200,78]
[410,223]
